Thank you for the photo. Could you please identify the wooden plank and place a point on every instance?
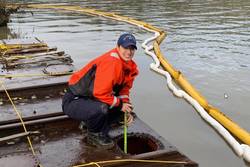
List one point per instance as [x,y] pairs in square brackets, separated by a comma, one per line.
[25,56]
[47,59]
[11,137]
[31,50]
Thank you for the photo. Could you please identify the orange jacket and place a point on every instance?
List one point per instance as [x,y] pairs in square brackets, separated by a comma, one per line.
[107,78]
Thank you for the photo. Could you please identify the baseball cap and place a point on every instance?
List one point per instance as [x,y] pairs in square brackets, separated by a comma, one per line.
[126,40]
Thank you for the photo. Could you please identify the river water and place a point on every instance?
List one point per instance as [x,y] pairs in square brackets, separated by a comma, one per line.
[209,41]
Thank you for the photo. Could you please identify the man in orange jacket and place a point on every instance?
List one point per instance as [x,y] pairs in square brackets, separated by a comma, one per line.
[98,94]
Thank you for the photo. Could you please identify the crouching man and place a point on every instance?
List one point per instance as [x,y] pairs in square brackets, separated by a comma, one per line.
[98,94]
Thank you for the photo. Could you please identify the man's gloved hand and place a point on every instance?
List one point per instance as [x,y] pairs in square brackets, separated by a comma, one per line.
[127,107]
[130,119]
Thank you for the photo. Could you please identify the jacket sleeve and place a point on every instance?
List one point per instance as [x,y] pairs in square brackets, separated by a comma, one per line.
[127,85]
[107,74]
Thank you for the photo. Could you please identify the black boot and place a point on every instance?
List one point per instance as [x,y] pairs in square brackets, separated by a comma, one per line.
[100,140]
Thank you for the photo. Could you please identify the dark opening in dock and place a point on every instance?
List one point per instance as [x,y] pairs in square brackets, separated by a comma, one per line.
[138,144]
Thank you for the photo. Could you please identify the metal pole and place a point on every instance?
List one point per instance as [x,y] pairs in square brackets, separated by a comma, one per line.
[125,132]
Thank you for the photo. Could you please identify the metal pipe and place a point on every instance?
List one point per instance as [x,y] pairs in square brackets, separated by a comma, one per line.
[44,120]
[18,135]
[26,119]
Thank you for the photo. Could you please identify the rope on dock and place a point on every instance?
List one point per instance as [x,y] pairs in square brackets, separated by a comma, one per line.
[209,113]
[19,116]
[22,122]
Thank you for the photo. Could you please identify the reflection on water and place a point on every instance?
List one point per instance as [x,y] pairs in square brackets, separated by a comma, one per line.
[208,41]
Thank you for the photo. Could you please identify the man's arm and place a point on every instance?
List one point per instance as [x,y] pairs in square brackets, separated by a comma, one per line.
[107,74]
[127,85]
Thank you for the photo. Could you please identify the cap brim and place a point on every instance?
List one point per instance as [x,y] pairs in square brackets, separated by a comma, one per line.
[129,44]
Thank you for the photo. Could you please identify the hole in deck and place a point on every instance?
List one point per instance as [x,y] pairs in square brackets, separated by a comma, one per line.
[138,144]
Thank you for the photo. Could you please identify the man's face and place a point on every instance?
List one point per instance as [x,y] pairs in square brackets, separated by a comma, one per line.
[126,53]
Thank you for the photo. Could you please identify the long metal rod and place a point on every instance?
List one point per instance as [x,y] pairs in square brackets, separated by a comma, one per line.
[11,137]
[14,125]
[125,133]
[31,118]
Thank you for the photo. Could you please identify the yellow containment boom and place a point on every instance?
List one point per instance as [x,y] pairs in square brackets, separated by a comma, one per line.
[235,129]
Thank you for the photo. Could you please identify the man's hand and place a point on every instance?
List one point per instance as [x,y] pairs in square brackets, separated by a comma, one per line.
[130,119]
[126,107]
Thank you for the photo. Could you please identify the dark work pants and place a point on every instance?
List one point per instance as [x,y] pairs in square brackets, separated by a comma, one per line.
[96,114]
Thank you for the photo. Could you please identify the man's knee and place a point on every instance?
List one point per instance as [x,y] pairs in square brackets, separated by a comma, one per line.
[82,108]
[97,110]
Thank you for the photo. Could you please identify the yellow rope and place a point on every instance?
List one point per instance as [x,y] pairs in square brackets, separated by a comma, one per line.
[19,116]
[131,160]
[94,163]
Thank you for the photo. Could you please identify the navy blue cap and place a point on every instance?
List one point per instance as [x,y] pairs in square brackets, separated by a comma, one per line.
[126,40]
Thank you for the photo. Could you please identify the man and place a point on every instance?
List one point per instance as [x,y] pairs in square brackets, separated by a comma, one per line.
[98,94]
